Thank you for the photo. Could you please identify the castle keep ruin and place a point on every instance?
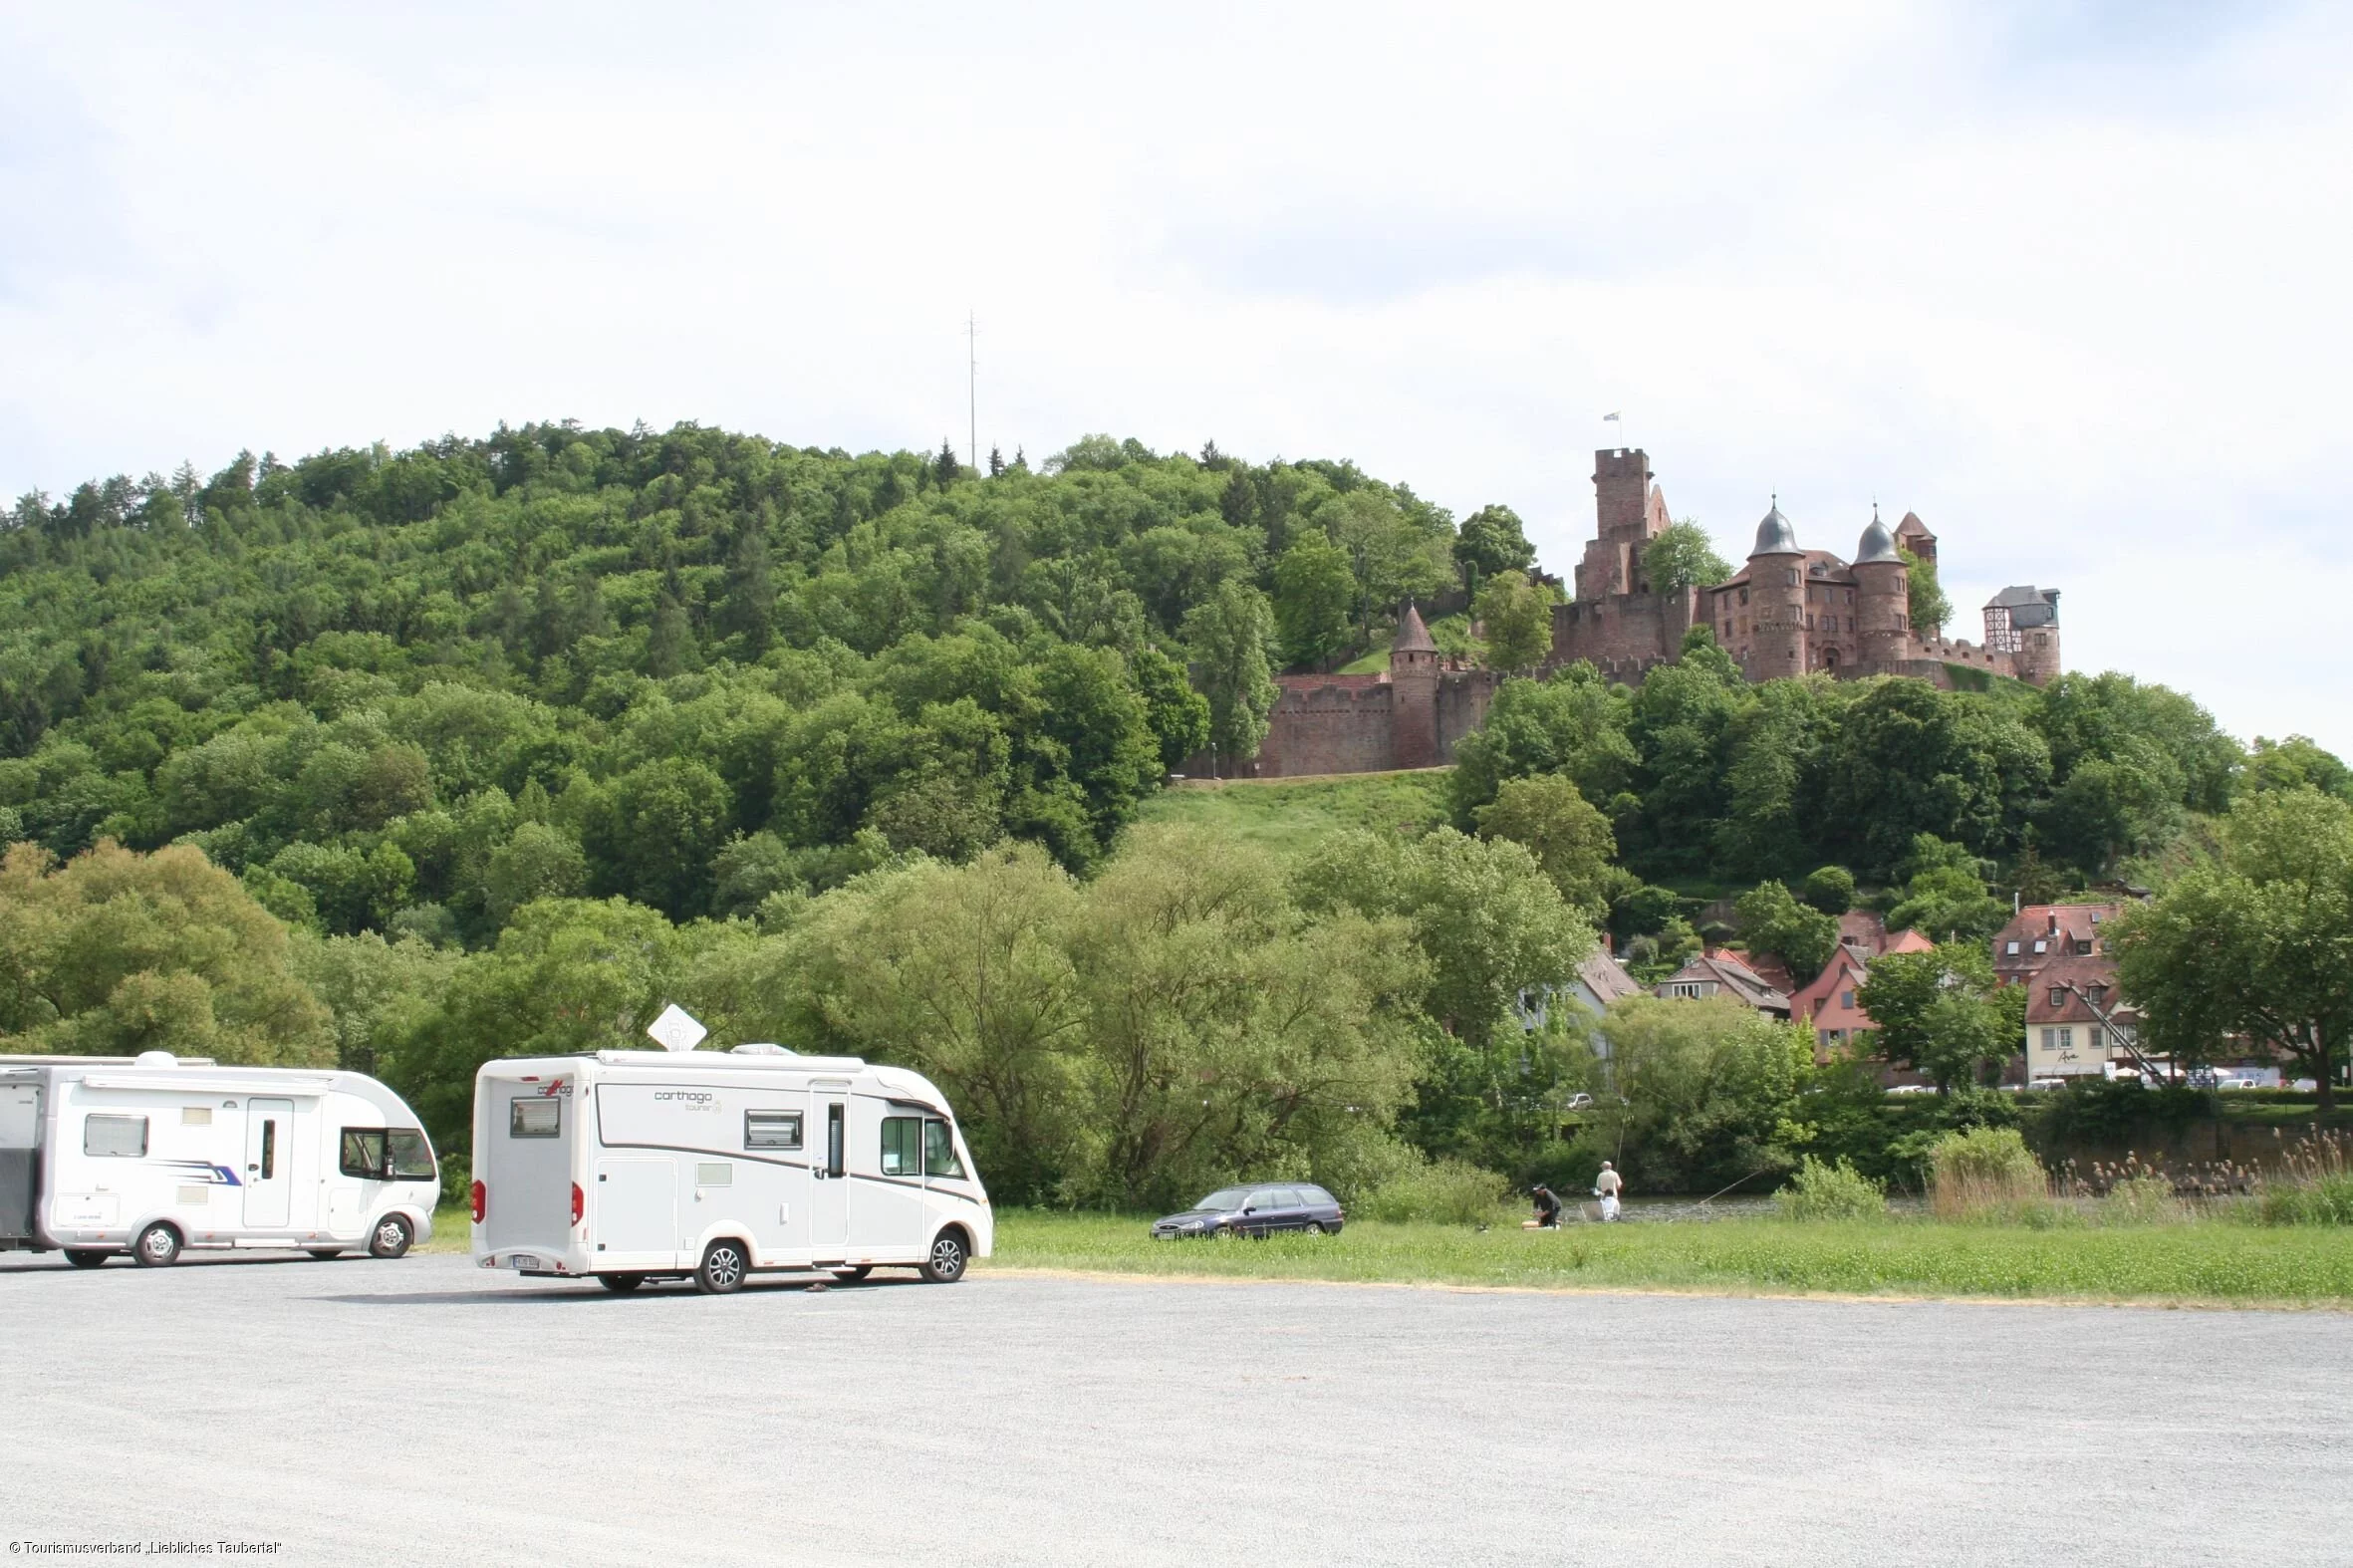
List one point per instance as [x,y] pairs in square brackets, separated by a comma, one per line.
[1789,609]
[1409,715]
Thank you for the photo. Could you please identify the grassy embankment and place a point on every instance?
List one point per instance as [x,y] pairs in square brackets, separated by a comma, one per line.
[1291,814]
[2207,1260]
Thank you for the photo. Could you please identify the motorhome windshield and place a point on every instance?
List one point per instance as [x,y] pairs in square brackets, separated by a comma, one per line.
[378,1153]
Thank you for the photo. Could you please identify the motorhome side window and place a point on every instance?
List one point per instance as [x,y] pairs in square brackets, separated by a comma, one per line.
[376,1154]
[771,1128]
[940,1151]
[535,1116]
[116,1137]
[903,1145]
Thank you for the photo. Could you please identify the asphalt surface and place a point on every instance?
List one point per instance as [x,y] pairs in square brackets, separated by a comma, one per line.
[423,1411]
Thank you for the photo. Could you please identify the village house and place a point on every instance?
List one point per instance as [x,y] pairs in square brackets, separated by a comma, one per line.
[1828,1005]
[2076,1024]
[1721,972]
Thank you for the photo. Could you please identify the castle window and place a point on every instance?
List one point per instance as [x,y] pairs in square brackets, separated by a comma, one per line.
[1744,596]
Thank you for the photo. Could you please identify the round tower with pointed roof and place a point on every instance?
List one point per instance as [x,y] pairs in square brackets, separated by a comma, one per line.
[1882,600]
[1776,590]
[1412,680]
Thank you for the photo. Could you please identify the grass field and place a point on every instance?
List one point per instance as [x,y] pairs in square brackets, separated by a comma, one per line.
[1290,815]
[2211,1262]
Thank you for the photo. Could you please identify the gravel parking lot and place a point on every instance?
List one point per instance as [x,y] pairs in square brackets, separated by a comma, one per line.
[422,1412]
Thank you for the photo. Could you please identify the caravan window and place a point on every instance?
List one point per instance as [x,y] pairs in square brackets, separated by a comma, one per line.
[376,1154]
[902,1146]
[771,1128]
[940,1151]
[535,1116]
[116,1137]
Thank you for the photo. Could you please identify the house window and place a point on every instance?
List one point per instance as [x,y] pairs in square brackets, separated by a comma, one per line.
[2093,1036]
[1846,999]
[2040,946]
[2099,995]
[2013,950]
[2050,1039]
[2083,949]
[2058,996]
[2095,916]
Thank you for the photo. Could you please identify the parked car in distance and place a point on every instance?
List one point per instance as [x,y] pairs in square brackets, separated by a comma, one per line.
[1256,1211]
[2048,1083]
[1579,1102]
[1911,1089]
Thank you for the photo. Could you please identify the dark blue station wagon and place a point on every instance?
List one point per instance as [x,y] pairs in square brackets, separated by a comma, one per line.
[1256,1211]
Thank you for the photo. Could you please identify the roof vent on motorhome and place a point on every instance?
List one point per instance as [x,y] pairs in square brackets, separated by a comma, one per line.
[759,1048]
[157,1059]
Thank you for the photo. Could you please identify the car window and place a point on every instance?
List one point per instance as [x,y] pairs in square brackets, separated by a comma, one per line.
[1226,1199]
[1318,1197]
[1274,1197]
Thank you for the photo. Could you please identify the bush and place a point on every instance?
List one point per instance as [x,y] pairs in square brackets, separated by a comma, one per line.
[1821,1191]
[1986,1172]
[1447,1192]
[1830,890]
[2327,1201]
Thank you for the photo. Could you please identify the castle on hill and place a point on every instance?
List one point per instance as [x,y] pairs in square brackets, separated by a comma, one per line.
[1789,609]
[1409,715]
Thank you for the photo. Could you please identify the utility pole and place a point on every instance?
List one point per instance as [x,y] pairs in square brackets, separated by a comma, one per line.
[973,389]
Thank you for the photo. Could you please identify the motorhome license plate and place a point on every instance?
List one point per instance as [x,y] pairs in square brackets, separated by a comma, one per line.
[527,1265]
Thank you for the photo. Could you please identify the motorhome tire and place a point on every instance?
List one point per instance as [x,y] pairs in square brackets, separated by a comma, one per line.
[391,1237]
[621,1284]
[946,1265]
[82,1257]
[723,1267]
[157,1246]
[326,1254]
[846,1275]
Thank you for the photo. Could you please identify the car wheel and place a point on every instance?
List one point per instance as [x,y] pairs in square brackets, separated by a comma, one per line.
[946,1265]
[621,1284]
[724,1264]
[850,1276]
[391,1237]
[1314,1227]
[325,1254]
[82,1257]
[157,1247]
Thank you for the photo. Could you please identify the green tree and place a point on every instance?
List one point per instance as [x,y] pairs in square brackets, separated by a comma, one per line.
[1178,715]
[117,952]
[1571,723]
[1831,889]
[2256,945]
[1941,1014]
[1773,922]
[1711,1094]
[1516,618]
[1682,556]
[653,836]
[1314,596]
[1569,839]
[1926,602]
[1230,637]
[539,862]
[1493,541]
[1943,893]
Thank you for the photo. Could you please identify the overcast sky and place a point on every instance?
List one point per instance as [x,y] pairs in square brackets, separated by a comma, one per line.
[2070,281]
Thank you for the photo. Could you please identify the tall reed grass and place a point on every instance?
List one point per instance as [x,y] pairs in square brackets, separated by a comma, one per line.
[1988,1174]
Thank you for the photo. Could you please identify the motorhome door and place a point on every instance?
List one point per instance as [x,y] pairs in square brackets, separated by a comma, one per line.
[269,1159]
[20,1130]
[829,1183]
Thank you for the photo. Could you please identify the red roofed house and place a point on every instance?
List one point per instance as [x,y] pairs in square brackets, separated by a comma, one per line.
[2040,932]
[2077,1025]
[1828,1004]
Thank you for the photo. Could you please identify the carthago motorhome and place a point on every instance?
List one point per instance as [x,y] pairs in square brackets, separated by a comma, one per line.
[153,1154]
[629,1166]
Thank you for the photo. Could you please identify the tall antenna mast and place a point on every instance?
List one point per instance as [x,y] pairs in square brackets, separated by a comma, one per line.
[973,389]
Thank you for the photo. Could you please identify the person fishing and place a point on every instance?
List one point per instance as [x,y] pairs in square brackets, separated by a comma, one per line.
[1547,1210]
[1606,1187]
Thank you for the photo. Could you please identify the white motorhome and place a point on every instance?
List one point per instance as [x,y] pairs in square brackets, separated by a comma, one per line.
[629,1166]
[153,1154]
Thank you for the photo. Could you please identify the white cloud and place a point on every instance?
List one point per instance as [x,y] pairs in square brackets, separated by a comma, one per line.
[2060,278]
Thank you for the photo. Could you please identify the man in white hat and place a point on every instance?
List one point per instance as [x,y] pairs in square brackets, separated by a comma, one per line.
[1605,1187]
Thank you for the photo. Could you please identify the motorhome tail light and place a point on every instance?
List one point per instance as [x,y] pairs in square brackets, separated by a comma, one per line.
[481,1196]
[579,1203]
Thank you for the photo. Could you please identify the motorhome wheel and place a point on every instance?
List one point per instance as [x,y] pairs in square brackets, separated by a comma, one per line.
[391,1237]
[946,1265]
[83,1258]
[158,1247]
[723,1266]
[621,1284]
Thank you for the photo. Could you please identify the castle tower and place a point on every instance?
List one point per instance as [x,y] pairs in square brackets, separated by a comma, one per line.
[1622,493]
[1412,680]
[2024,621]
[1883,601]
[1777,592]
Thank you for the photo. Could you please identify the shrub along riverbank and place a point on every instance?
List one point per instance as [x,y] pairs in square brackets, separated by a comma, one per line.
[2193,1261]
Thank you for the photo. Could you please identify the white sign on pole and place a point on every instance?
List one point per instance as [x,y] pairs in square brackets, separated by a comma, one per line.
[676,1030]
